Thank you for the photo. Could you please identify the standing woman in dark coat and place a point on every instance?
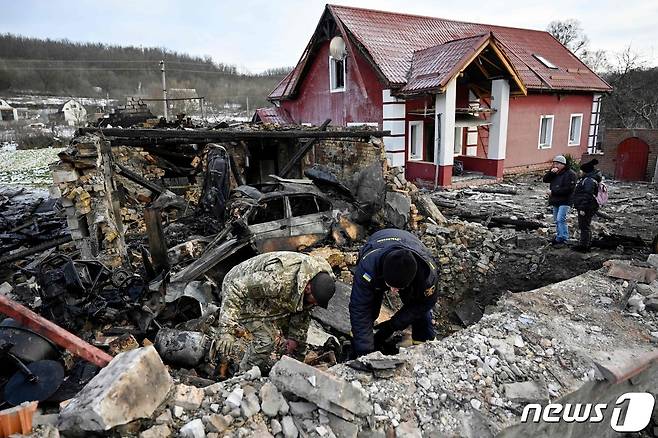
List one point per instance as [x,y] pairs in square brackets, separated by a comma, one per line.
[584,200]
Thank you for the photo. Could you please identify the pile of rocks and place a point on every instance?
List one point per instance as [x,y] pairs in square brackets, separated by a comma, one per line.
[135,395]
[465,251]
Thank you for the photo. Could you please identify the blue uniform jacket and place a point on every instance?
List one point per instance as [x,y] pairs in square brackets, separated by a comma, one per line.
[369,286]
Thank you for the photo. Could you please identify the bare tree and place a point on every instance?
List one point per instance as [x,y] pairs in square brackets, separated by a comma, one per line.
[633,102]
[570,34]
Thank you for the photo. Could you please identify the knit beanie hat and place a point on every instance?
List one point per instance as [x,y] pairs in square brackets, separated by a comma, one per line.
[399,268]
[589,166]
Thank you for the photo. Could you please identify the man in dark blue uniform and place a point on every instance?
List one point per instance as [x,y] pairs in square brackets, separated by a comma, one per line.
[396,260]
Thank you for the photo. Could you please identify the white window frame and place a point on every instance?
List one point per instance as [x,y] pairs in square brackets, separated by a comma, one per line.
[548,145]
[580,129]
[458,141]
[332,68]
[419,125]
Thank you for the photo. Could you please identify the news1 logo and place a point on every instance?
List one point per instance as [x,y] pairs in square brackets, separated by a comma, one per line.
[638,412]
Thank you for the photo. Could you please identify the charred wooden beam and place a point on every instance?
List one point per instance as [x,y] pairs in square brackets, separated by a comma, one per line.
[156,239]
[302,151]
[132,176]
[209,136]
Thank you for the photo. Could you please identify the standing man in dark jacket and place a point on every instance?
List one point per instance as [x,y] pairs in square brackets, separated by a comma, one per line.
[584,200]
[563,182]
[398,261]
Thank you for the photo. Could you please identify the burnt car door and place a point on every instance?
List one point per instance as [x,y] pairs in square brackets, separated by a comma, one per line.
[270,224]
[310,221]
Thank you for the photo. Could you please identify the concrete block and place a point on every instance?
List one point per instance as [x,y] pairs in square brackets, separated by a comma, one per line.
[64,176]
[187,397]
[217,423]
[159,431]
[653,260]
[193,429]
[342,428]
[273,402]
[289,428]
[55,192]
[132,386]
[525,392]
[329,392]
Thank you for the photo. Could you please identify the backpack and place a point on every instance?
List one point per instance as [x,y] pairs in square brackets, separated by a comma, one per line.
[602,195]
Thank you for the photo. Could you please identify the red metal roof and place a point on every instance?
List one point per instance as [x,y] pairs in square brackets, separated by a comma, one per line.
[277,116]
[433,67]
[390,40]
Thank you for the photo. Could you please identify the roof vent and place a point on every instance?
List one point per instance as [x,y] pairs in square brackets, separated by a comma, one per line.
[545,61]
[337,48]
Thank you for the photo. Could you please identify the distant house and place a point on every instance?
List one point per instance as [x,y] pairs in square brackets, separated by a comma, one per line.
[183,101]
[7,112]
[73,113]
[497,99]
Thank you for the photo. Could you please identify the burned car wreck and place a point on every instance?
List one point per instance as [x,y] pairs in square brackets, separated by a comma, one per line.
[285,215]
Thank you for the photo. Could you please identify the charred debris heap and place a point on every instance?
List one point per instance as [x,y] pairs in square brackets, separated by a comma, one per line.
[156,218]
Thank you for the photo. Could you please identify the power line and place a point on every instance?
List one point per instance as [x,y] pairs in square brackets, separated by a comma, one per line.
[108,69]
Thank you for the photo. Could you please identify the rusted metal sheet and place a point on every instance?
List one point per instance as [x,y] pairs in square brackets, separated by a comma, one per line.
[277,116]
[58,335]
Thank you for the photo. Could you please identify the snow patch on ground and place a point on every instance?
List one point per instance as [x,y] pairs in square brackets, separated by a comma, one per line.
[27,167]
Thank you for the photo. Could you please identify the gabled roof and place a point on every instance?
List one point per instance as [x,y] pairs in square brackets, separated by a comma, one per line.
[4,105]
[432,68]
[388,40]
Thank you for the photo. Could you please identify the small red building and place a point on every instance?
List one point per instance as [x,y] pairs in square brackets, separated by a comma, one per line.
[495,98]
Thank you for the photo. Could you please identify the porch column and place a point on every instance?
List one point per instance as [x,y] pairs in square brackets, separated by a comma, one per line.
[498,129]
[444,133]
[394,113]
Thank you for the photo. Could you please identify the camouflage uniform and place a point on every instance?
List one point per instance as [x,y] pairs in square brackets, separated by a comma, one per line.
[265,295]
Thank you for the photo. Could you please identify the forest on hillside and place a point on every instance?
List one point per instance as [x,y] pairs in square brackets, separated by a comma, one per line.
[62,67]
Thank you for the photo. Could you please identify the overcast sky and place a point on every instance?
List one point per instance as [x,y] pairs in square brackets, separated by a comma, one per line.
[259,34]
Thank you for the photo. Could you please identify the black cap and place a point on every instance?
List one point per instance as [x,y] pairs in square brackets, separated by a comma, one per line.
[399,268]
[323,287]
[589,166]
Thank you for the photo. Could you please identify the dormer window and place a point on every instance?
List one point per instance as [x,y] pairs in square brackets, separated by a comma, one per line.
[336,74]
[545,61]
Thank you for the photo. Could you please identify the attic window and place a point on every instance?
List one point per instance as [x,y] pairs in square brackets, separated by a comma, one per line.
[336,74]
[545,61]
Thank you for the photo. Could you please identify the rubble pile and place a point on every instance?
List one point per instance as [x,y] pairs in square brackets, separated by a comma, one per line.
[101,206]
[465,251]
[534,347]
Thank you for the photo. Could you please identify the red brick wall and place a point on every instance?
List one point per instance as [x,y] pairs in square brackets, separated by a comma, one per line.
[611,140]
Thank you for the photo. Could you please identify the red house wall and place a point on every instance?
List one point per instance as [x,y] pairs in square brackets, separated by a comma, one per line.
[523,127]
[314,102]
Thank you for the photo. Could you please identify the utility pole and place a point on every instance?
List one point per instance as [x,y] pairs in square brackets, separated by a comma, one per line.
[247,106]
[164,87]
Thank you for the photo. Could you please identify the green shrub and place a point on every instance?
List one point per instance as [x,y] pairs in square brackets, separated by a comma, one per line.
[572,163]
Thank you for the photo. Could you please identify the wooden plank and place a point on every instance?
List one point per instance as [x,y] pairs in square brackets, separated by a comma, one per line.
[52,331]
[302,151]
[220,135]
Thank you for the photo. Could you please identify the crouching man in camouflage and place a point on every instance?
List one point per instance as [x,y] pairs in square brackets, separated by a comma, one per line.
[269,294]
